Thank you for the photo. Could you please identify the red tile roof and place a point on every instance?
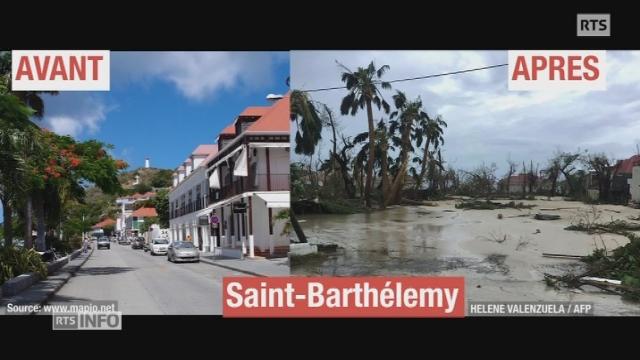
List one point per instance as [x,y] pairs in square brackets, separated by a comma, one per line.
[229,130]
[626,166]
[256,111]
[205,149]
[104,223]
[145,212]
[278,119]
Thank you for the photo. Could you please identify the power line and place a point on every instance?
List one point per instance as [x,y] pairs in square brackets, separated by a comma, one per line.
[417,77]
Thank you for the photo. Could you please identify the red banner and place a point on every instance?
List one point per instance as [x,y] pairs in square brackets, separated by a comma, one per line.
[343,297]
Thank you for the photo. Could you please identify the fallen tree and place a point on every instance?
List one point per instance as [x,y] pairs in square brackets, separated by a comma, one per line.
[490,205]
[617,271]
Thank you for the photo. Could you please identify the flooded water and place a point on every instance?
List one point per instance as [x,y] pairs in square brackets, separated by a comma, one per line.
[500,259]
[401,240]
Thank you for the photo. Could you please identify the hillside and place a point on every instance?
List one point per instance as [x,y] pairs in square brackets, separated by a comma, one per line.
[150,178]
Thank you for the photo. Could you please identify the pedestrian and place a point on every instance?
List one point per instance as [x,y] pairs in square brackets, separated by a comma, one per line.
[84,244]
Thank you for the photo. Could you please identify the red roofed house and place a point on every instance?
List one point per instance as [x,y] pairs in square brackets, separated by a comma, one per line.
[625,183]
[232,210]
[104,223]
[135,221]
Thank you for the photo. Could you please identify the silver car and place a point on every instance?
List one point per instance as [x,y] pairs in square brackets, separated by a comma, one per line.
[183,251]
[158,246]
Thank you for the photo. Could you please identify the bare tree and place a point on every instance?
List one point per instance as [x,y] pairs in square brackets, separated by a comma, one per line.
[512,170]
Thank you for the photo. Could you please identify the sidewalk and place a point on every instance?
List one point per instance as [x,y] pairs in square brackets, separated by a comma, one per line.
[256,267]
[41,291]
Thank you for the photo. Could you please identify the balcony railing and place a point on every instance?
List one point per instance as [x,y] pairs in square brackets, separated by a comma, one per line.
[258,182]
[198,203]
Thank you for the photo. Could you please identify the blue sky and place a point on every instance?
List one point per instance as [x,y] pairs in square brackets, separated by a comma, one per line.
[163,104]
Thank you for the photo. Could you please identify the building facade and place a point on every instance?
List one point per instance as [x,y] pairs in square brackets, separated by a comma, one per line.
[235,201]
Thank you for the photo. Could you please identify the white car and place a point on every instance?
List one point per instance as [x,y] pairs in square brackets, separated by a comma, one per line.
[158,246]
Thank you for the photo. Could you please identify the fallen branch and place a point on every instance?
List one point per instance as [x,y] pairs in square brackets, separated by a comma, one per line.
[578,257]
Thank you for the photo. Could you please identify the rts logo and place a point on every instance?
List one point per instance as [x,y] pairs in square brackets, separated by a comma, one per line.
[60,70]
[535,70]
[594,25]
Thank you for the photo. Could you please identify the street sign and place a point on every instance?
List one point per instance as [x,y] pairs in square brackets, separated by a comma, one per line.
[215,219]
[203,220]
[239,208]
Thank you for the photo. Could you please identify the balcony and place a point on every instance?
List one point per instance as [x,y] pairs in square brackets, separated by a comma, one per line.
[198,203]
[258,182]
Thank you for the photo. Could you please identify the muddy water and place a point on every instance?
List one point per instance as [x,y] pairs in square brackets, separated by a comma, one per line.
[402,240]
[498,265]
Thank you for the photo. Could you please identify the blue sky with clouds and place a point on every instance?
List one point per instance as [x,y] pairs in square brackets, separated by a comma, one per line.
[163,104]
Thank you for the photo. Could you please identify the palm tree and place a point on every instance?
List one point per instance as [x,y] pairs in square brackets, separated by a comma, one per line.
[34,101]
[431,132]
[308,121]
[407,115]
[17,135]
[363,92]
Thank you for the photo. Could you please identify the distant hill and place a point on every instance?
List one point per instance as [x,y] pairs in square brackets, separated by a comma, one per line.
[151,178]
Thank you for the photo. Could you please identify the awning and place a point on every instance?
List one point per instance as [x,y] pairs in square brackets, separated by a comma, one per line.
[267,144]
[223,159]
[275,200]
[214,180]
[241,164]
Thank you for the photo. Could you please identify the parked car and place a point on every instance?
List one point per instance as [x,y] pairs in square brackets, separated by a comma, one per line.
[137,243]
[125,241]
[183,251]
[104,242]
[158,246]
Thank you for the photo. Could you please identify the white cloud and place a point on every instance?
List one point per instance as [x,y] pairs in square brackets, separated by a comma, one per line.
[75,113]
[488,123]
[197,75]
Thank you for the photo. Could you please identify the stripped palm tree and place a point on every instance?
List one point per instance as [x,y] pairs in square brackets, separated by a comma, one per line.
[403,121]
[430,131]
[364,86]
[308,122]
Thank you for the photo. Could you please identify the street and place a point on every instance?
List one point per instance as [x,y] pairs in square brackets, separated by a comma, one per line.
[145,285]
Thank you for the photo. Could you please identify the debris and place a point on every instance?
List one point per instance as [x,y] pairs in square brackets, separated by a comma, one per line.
[490,205]
[546,217]
[537,231]
[615,211]
[499,216]
[577,257]
[601,280]
[556,209]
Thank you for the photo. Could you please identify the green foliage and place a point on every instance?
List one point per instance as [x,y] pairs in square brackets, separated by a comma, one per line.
[14,262]
[162,178]
[161,203]
[142,188]
[146,225]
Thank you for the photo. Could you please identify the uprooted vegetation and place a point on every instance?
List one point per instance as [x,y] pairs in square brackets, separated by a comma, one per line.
[491,205]
[616,271]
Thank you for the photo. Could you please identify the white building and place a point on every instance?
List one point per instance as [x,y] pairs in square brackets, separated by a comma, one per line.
[228,201]
[634,185]
[126,205]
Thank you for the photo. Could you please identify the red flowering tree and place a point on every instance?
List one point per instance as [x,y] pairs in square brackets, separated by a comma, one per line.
[62,172]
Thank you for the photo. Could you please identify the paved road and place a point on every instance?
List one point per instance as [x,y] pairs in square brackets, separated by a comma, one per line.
[144,284]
